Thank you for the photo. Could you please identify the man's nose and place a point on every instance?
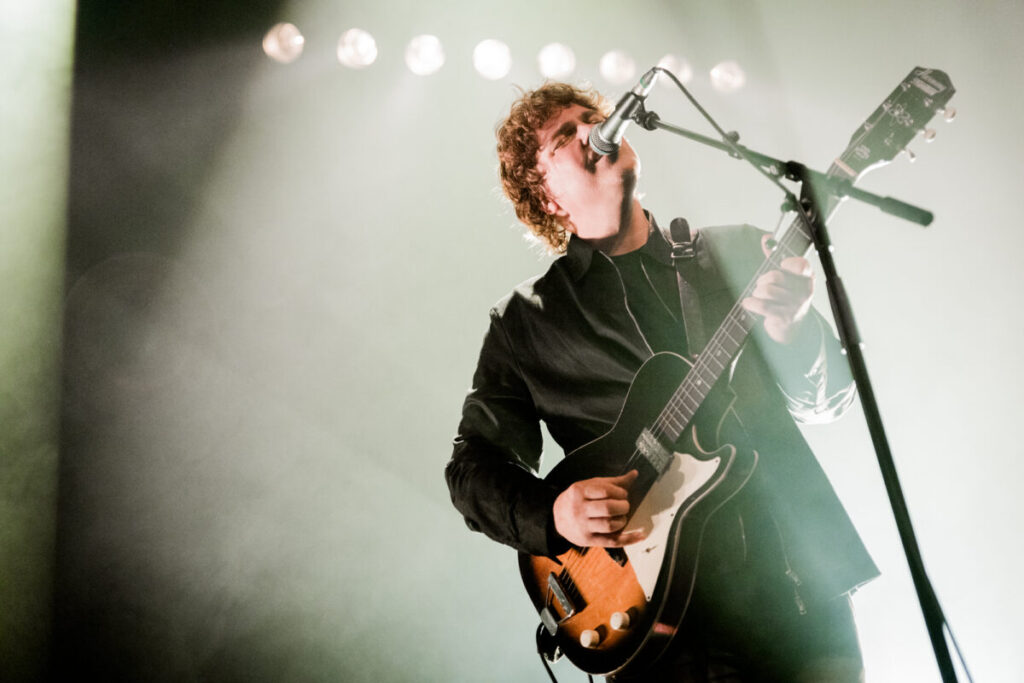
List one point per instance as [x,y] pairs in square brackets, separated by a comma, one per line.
[583,132]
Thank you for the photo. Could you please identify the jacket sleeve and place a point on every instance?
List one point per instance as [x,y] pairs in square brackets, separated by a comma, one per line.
[492,472]
[812,373]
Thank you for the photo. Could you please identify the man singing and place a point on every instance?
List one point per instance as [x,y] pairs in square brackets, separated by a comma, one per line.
[779,559]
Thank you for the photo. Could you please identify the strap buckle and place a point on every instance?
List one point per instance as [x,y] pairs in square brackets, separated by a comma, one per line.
[681,239]
[683,250]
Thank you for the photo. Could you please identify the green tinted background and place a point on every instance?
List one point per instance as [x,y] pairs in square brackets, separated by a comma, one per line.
[277,280]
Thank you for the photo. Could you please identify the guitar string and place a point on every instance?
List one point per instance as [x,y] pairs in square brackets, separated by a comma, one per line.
[579,566]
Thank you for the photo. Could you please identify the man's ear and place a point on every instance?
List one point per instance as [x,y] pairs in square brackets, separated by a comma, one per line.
[552,208]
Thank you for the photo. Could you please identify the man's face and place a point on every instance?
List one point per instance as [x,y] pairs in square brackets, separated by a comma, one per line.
[592,194]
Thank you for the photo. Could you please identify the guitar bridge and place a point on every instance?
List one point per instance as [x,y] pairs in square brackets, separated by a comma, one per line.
[561,595]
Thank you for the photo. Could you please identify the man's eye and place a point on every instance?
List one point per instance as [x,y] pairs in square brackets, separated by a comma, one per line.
[561,142]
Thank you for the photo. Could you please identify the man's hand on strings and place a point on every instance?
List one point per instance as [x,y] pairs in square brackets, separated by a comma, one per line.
[593,512]
[783,296]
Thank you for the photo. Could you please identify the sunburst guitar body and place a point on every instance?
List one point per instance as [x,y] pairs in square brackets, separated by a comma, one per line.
[601,603]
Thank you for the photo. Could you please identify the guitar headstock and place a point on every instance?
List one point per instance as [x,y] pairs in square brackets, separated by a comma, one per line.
[902,116]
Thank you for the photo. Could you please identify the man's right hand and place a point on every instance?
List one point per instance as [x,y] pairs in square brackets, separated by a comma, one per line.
[593,512]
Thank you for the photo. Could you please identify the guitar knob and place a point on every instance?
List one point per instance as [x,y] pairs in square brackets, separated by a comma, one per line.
[911,157]
[590,638]
[949,113]
[929,134]
[620,621]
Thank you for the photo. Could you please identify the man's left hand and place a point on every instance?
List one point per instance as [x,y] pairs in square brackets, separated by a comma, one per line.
[783,296]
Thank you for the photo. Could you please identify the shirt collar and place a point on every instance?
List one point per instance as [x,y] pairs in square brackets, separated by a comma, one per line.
[579,255]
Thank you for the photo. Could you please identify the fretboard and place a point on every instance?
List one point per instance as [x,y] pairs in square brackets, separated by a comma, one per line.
[725,344]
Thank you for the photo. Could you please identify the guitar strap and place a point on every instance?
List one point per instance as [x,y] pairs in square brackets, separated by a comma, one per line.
[684,251]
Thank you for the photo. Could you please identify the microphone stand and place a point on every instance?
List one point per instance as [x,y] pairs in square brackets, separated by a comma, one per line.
[816,189]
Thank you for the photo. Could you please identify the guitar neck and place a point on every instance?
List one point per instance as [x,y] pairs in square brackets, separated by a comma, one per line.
[727,340]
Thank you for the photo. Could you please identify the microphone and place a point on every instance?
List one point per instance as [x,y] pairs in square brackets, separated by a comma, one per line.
[606,138]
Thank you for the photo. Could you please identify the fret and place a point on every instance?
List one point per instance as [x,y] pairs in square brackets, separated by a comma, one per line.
[675,424]
[735,330]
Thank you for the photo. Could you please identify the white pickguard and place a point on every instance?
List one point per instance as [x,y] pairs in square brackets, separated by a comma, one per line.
[655,514]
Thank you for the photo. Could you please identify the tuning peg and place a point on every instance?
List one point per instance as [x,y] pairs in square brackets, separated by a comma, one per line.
[929,134]
[911,157]
[949,113]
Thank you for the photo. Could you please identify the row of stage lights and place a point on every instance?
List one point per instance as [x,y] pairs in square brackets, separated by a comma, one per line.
[492,59]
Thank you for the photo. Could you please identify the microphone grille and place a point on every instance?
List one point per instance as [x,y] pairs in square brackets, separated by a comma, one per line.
[599,144]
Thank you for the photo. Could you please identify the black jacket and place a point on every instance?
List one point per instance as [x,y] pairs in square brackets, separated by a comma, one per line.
[562,348]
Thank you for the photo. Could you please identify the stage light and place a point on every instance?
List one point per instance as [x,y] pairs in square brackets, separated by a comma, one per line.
[556,60]
[727,77]
[678,66]
[357,48]
[617,67]
[492,59]
[283,43]
[424,55]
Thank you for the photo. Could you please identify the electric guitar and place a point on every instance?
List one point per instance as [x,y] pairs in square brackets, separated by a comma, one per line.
[615,611]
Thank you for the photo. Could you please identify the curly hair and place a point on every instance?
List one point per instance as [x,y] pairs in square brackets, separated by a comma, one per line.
[521,180]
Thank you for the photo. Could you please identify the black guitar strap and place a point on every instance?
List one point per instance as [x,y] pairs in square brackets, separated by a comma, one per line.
[684,251]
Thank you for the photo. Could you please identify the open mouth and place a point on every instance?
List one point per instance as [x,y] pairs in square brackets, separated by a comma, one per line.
[590,159]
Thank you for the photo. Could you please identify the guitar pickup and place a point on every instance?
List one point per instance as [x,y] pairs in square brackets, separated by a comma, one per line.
[654,452]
